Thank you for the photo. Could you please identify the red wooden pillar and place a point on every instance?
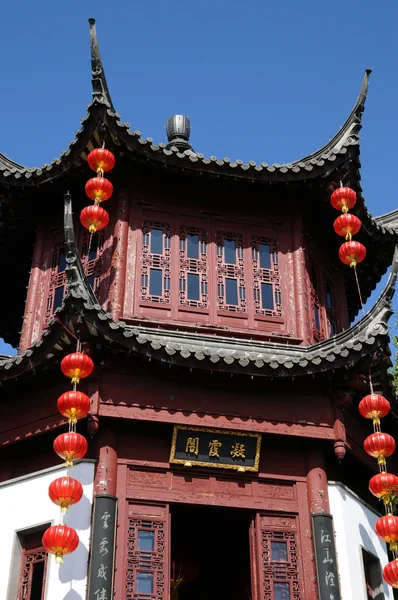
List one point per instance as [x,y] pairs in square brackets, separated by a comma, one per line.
[318,501]
[119,256]
[317,483]
[300,278]
[106,472]
[33,292]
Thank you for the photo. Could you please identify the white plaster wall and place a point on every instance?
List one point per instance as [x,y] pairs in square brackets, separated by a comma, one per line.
[354,524]
[25,504]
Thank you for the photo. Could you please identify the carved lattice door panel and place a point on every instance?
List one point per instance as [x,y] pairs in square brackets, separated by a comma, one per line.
[266,277]
[32,581]
[148,543]
[276,566]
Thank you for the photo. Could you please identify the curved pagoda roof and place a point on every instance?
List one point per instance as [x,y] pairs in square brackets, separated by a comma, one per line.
[336,161]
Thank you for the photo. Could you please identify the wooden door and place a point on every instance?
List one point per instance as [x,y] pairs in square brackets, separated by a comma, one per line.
[274,558]
[148,551]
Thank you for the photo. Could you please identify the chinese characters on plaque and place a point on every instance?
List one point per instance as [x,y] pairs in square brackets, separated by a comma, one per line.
[102,548]
[215,448]
[325,557]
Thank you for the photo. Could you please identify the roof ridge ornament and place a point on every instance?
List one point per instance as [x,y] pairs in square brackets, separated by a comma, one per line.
[99,84]
[178,129]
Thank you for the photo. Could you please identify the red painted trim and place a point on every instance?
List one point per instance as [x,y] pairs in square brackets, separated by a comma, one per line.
[165,465]
[205,420]
[32,429]
[119,256]
[33,292]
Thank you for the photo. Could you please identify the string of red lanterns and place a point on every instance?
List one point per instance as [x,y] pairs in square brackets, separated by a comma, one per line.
[66,491]
[350,253]
[379,445]
[384,485]
[94,218]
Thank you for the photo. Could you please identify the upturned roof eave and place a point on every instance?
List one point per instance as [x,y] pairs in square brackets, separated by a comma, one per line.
[317,163]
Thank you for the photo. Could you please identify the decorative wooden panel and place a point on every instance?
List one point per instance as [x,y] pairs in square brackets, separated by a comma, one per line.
[147,553]
[266,277]
[231,286]
[92,262]
[277,560]
[33,573]
[156,262]
[92,257]
[193,267]
[323,300]
[57,283]
[317,318]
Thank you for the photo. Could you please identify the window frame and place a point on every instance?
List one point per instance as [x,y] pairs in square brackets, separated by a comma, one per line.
[375,573]
[21,537]
[214,229]
[318,296]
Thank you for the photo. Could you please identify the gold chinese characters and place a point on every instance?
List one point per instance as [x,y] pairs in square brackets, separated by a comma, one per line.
[237,449]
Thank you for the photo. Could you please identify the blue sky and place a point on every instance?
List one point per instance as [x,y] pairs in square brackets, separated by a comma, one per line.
[260,81]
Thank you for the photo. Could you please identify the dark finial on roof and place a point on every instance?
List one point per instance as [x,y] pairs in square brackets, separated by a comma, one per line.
[100,87]
[178,130]
[360,104]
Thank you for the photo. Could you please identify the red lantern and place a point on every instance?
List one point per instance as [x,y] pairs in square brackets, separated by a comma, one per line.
[99,189]
[65,491]
[390,573]
[76,366]
[379,445]
[347,225]
[70,446]
[74,405]
[387,530]
[374,406]
[101,160]
[343,199]
[384,486]
[60,540]
[352,253]
[94,218]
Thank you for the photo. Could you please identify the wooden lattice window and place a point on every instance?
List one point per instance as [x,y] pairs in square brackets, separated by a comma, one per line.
[279,563]
[323,300]
[146,559]
[316,301]
[231,288]
[92,257]
[32,580]
[156,262]
[266,278]
[193,267]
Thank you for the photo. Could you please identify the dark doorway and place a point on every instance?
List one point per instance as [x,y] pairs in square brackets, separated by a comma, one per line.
[210,553]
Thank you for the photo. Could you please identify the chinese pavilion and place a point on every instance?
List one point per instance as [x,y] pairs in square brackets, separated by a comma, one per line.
[225,454]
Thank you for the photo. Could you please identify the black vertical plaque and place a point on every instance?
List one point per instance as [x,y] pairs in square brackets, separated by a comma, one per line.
[102,560]
[325,557]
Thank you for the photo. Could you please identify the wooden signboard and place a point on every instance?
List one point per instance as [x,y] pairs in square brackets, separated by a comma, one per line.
[325,557]
[102,558]
[215,448]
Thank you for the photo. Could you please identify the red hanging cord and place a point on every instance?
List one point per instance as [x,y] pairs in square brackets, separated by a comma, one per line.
[359,289]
